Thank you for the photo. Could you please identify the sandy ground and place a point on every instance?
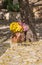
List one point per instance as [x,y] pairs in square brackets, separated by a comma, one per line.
[25,54]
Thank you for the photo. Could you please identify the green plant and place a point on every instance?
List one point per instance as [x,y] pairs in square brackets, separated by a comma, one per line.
[8,4]
[16,7]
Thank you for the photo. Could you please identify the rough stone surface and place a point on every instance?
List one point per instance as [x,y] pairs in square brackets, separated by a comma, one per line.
[29,54]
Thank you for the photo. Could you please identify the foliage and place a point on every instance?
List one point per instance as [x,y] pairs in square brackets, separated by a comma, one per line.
[5,3]
[16,7]
[8,4]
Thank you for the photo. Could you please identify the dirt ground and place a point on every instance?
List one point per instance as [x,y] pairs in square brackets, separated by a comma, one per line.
[25,54]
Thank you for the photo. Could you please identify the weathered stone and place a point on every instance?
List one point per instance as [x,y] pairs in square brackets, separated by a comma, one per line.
[29,36]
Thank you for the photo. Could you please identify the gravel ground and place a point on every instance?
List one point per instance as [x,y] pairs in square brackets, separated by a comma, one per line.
[29,54]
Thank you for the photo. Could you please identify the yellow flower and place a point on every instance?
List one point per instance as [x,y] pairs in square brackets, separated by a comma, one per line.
[16,27]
